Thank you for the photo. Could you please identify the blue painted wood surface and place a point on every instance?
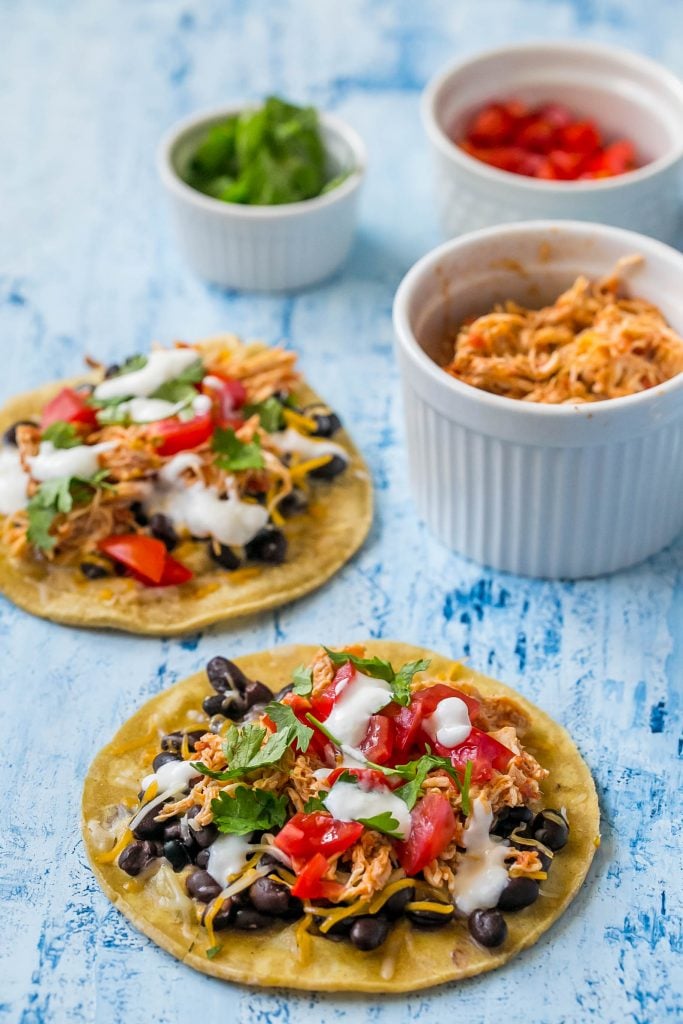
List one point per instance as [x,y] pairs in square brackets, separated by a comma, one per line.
[88,264]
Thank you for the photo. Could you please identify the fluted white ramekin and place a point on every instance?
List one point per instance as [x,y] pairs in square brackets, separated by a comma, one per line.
[539,490]
[628,96]
[263,248]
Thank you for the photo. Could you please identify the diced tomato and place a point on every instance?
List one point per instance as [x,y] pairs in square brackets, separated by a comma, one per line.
[431,696]
[492,126]
[307,834]
[485,753]
[301,707]
[228,396]
[538,136]
[555,114]
[68,406]
[580,137]
[432,829]
[408,721]
[179,435]
[378,743]
[369,777]
[174,573]
[617,158]
[145,556]
[322,704]
[311,885]
[567,166]
[406,727]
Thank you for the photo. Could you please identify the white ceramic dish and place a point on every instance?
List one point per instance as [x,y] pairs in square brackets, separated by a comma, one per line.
[628,95]
[539,490]
[263,248]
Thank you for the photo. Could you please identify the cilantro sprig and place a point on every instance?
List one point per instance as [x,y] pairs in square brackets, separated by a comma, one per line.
[378,668]
[234,454]
[245,750]
[302,681]
[384,822]
[58,497]
[62,435]
[181,388]
[269,412]
[415,772]
[248,810]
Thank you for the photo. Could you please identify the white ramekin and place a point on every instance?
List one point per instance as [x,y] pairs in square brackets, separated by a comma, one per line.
[263,248]
[628,95]
[539,490]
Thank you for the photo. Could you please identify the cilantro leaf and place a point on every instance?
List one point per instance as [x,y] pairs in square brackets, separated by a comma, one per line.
[302,680]
[58,497]
[234,454]
[315,803]
[402,682]
[269,414]
[62,435]
[286,721]
[248,810]
[375,667]
[416,772]
[136,362]
[181,389]
[384,822]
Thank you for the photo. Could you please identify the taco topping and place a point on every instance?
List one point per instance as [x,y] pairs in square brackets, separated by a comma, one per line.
[201,447]
[362,794]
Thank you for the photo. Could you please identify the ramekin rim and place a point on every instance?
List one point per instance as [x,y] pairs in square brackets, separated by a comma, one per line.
[172,180]
[524,182]
[499,403]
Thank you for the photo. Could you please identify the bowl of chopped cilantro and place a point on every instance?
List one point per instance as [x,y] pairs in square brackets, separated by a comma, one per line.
[263,197]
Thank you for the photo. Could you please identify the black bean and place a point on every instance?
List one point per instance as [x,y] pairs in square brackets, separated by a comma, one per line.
[94,570]
[269,545]
[10,435]
[487,927]
[293,504]
[224,556]
[257,693]
[164,757]
[550,828]
[225,675]
[339,930]
[112,370]
[267,861]
[173,741]
[229,705]
[139,514]
[147,827]
[213,705]
[177,854]
[205,835]
[224,916]
[329,470]
[396,904]
[518,893]
[136,857]
[510,818]
[369,932]
[270,897]
[248,920]
[202,886]
[202,858]
[430,920]
[326,424]
[85,389]
[161,527]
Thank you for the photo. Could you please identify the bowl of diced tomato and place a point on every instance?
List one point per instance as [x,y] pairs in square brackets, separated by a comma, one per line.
[576,131]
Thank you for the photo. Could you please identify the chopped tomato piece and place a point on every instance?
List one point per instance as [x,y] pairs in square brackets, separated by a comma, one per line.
[431,696]
[566,165]
[555,114]
[178,435]
[538,136]
[322,704]
[369,777]
[378,743]
[492,126]
[310,883]
[68,406]
[406,727]
[485,753]
[580,137]
[174,573]
[145,556]
[228,396]
[432,829]
[307,834]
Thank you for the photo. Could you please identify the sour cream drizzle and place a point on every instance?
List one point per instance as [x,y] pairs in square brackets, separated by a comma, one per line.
[350,801]
[292,441]
[362,697]
[162,365]
[82,460]
[227,855]
[173,775]
[13,481]
[481,875]
[450,723]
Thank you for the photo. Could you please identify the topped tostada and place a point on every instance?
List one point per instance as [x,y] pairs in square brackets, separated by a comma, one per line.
[387,821]
[183,487]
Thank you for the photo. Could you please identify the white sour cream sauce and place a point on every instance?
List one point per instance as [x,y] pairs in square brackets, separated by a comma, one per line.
[227,855]
[481,875]
[150,410]
[362,697]
[174,775]
[13,481]
[292,441]
[350,801]
[199,508]
[82,461]
[450,724]
[162,365]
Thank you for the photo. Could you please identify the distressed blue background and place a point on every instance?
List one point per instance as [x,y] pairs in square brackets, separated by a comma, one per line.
[87,264]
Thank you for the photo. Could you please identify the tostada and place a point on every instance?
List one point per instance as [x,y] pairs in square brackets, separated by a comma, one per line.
[377,818]
[186,486]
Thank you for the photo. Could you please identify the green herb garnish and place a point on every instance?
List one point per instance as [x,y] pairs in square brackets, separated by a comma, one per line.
[234,454]
[137,362]
[58,497]
[302,680]
[181,389]
[263,157]
[248,810]
[416,772]
[269,413]
[315,803]
[62,435]
[287,722]
[245,750]
[402,681]
[384,822]
[379,669]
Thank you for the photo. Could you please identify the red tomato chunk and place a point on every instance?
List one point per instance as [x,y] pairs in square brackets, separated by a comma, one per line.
[307,834]
[432,829]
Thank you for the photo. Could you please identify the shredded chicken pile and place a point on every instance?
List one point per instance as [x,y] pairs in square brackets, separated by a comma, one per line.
[592,344]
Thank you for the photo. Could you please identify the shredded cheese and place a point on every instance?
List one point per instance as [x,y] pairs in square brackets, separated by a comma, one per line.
[111,855]
[359,907]
[306,424]
[303,938]
[302,470]
[386,894]
[430,907]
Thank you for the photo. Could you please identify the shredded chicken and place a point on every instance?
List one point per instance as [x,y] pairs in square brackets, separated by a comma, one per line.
[592,344]
[371,866]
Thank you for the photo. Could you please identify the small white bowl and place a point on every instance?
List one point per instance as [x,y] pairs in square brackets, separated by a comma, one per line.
[540,490]
[627,95]
[263,248]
